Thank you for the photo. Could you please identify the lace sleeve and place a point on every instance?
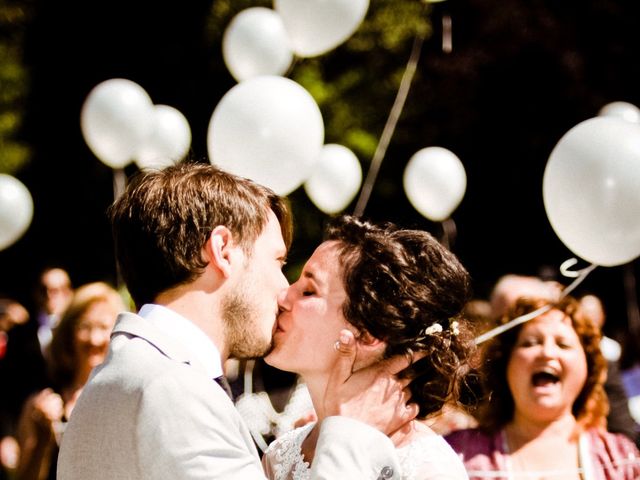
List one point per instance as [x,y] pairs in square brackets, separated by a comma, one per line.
[283,460]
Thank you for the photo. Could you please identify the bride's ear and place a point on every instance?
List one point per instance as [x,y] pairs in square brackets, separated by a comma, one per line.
[369,350]
[370,343]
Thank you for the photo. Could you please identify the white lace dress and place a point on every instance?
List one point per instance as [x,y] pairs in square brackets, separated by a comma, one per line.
[429,457]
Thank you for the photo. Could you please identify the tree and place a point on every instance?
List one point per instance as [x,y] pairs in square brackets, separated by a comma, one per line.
[14,85]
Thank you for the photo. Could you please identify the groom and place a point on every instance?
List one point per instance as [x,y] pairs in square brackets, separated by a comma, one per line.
[201,252]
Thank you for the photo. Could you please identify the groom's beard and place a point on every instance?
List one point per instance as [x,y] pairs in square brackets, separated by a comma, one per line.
[242,327]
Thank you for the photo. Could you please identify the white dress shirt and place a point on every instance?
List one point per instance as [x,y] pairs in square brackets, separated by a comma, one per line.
[186,333]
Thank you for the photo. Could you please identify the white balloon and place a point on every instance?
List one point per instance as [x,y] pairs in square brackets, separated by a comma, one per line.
[335,180]
[256,43]
[591,190]
[435,182]
[16,210]
[116,118]
[624,110]
[317,26]
[168,143]
[268,129]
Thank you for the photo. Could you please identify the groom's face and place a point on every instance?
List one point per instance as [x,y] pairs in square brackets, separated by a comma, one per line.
[250,310]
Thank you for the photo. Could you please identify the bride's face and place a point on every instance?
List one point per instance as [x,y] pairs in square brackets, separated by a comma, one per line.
[311,316]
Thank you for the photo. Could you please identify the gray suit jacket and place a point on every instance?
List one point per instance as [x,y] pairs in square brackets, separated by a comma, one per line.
[150,412]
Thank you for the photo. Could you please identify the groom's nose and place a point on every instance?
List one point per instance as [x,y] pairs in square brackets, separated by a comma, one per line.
[283,300]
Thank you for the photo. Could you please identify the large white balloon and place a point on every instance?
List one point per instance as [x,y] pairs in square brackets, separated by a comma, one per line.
[256,43]
[317,26]
[16,210]
[591,190]
[335,180]
[168,143]
[624,110]
[268,129]
[116,118]
[435,182]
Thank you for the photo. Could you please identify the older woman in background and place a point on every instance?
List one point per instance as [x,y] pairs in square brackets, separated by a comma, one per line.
[78,345]
[544,416]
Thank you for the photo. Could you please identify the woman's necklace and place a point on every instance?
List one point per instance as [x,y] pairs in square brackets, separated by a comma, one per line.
[520,468]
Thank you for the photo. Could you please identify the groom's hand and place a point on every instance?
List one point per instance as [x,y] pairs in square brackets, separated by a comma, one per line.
[374,394]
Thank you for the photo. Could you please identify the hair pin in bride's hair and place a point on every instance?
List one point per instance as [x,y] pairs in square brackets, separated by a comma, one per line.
[436,328]
[454,328]
[433,329]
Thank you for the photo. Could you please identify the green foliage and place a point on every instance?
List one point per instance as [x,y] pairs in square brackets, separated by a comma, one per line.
[14,86]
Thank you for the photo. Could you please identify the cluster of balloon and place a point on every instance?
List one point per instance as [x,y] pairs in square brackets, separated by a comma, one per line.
[335,179]
[269,129]
[16,210]
[435,182]
[121,124]
[590,189]
[263,41]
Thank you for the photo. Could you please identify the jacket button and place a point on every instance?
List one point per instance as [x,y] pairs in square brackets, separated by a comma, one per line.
[387,472]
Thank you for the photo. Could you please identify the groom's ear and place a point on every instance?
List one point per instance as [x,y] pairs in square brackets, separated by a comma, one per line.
[221,250]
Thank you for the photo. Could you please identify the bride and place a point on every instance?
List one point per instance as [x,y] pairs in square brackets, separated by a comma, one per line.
[399,292]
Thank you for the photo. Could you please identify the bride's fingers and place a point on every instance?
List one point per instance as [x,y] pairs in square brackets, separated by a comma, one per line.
[397,363]
[346,348]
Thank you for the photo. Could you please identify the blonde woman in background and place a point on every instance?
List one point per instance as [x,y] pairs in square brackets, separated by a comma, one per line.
[79,344]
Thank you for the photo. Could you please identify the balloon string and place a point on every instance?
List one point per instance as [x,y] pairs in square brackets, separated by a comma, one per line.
[119,184]
[387,132]
[447,40]
[448,232]
[513,323]
[581,275]
[564,269]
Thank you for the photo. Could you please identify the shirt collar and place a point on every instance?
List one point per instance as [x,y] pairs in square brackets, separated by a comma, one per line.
[187,334]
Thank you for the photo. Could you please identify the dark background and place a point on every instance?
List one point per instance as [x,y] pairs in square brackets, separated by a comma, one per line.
[521,74]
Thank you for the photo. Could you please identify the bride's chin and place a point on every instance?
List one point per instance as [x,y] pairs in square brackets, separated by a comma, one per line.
[268,359]
[272,359]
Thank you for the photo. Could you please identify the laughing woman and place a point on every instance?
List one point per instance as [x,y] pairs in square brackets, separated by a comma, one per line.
[545,414]
[400,292]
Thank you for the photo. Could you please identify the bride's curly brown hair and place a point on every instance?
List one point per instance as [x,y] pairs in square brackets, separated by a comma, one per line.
[399,283]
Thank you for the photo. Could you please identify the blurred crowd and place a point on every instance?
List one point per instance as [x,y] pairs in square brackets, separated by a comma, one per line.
[47,353]
[48,350]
